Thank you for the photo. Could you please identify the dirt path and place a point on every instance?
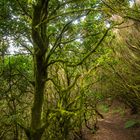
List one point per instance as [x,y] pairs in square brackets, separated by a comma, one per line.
[112,128]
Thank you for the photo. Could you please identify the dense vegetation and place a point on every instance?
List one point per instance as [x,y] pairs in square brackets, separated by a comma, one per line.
[60,59]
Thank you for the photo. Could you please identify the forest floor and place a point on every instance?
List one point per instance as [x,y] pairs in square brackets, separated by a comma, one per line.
[112,127]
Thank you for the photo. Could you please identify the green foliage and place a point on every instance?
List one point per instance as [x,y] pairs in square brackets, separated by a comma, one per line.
[131,123]
[104,108]
[119,110]
[64,67]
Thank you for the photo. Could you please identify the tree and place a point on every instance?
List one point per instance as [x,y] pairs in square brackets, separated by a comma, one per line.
[51,36]
[43,52]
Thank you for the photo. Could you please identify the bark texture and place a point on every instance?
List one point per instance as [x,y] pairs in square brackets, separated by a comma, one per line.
[40,43]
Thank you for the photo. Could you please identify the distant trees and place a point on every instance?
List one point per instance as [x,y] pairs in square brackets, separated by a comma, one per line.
[125,46]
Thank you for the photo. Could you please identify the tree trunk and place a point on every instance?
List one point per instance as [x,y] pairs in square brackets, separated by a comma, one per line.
[40,76]
[40,72]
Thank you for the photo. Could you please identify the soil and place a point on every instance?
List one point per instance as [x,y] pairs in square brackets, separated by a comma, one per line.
[112,127]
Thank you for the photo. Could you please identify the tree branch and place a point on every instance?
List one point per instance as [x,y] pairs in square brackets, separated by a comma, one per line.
[24,10]
[94,50]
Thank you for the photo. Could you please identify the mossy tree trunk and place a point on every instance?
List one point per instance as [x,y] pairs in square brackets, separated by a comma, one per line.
[40,42]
